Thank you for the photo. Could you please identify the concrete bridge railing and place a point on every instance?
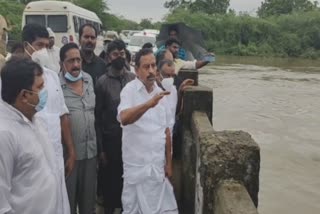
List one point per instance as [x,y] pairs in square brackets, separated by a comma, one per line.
[219,171]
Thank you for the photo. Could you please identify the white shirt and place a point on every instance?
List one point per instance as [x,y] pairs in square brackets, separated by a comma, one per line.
[50,118]
[54,57]
[182,64]
[28,183]
[143,142]
[172,103]
[55,107]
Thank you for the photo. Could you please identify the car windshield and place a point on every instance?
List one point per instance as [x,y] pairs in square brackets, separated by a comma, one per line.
[141,40]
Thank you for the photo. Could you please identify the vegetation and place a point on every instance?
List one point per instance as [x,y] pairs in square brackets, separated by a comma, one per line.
[294,33]
[288,28]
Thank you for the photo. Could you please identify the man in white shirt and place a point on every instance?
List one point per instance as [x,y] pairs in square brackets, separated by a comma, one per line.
[146,142]
[55,114]
[28,182]
[53,52]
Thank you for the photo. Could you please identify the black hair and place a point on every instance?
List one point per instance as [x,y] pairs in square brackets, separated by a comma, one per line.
[141,53]
[164,62]
[16,75]
[117,44]
[172,41]
[87,25]
[66,48]
[31,32]
[128,55]
[173,28]
[147,45]
[17,46]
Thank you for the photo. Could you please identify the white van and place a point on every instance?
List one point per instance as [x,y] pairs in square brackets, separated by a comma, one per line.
[138,40]
[64,18]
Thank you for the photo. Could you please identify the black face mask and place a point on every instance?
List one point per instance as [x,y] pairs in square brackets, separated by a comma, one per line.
[118,63]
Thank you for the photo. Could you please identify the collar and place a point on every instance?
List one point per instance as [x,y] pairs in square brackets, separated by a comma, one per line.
[63,81]
[18,115]
[140,86]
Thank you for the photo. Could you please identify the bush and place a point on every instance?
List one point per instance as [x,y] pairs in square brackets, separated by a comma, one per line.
[296,35]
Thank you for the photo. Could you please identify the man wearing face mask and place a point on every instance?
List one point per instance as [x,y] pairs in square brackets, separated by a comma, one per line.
[79,95]
[109,131]
[92,64]
[27,163]
[55,114]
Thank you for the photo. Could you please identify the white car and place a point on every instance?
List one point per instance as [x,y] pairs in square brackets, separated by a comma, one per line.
[138,40]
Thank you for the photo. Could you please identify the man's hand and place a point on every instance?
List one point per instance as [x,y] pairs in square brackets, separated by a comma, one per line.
[103,158]
[168,170]
[70,164]
[155,100]
[186,84]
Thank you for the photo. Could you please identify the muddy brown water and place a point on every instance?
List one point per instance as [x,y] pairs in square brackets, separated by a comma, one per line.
[278,102]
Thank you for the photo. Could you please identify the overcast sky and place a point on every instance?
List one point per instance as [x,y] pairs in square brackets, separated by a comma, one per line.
[138,9]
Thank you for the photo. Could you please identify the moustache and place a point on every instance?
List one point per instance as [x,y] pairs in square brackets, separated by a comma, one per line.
[151,77]
[89,45]
[76,69]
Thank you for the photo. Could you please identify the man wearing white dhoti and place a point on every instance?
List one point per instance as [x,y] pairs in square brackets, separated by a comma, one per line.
[146,142]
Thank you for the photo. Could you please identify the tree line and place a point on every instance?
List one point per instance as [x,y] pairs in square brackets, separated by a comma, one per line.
[281,27]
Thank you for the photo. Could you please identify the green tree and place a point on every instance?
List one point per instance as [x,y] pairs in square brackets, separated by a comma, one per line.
[146,24]
[210,6]
[204,6]
[12,11]
[278,7]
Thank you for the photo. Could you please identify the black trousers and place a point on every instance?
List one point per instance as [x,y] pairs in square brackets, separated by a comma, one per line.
[111,173]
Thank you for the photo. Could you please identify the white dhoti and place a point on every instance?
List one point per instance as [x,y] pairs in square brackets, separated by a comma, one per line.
[52,123]
[147,191]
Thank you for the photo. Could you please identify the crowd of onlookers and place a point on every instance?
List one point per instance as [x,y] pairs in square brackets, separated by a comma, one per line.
[75,126]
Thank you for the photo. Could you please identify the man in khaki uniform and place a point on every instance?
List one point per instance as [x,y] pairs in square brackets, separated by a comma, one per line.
[3,40]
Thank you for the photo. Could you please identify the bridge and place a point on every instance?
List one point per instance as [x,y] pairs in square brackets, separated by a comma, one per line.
[215,172]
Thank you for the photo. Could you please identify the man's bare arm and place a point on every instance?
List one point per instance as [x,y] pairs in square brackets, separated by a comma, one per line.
[68,142]
[168,167]
[200,64]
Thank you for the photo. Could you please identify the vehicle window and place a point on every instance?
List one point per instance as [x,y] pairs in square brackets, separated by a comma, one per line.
[76,23]
[82,21]
[97,26]
[36,19]
[58,23]
[141,40]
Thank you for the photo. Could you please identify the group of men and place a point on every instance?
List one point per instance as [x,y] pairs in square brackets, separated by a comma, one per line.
[59,121]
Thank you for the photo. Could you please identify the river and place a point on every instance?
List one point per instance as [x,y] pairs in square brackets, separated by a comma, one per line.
[277,101]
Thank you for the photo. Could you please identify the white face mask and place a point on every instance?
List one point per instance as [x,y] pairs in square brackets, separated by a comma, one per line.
[41,57]
[167,83]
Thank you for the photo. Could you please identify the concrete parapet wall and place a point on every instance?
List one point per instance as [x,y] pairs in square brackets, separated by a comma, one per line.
[219,170]
[232,198]
[189,74]
[225,155]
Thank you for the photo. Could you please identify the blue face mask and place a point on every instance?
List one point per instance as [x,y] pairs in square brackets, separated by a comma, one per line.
[71,78]
[43,97]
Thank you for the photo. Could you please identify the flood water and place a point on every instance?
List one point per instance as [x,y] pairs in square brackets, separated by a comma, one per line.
[278,102]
